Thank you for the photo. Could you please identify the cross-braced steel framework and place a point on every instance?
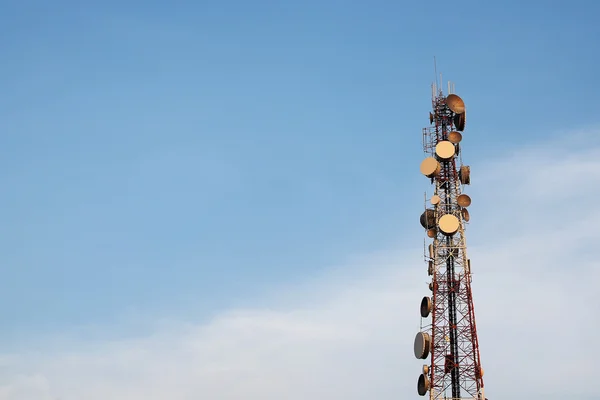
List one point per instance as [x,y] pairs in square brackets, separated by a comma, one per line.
[449,326]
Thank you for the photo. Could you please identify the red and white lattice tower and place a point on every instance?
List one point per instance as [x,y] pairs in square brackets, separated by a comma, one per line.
[448,336]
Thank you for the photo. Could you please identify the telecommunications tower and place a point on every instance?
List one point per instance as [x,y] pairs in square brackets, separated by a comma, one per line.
[448,336]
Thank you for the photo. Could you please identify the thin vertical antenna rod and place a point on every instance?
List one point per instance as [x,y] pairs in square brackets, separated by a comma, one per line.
[436,75]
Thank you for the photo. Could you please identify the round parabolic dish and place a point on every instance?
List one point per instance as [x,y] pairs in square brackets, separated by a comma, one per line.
[454,137]
[449,224]
[431,233]
[435,199]
[422,385]
[455,103]
[425,307]
[422,345]
[430,167]
[463,200]
[445,150]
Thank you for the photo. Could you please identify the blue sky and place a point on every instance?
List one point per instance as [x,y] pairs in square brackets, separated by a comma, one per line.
[174,159]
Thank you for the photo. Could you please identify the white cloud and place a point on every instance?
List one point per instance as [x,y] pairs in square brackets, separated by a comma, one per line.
[534,221]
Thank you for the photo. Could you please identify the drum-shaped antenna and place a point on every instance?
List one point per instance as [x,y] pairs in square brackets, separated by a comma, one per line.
[430,167]
[423,385]
[455,104]
[466,215]
[428,219]
[465,175]
[445,150]
[449,224]
[422,345]
[425,307]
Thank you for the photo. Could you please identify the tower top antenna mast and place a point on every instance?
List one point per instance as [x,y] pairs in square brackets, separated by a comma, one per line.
[438,84]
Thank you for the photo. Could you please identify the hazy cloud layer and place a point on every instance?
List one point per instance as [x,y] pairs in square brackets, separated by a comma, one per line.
[534,223]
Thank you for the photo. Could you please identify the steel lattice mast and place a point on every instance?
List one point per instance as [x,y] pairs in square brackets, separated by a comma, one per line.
[448,332]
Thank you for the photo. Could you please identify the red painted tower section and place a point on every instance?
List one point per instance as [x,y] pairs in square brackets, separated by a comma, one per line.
[448,336]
